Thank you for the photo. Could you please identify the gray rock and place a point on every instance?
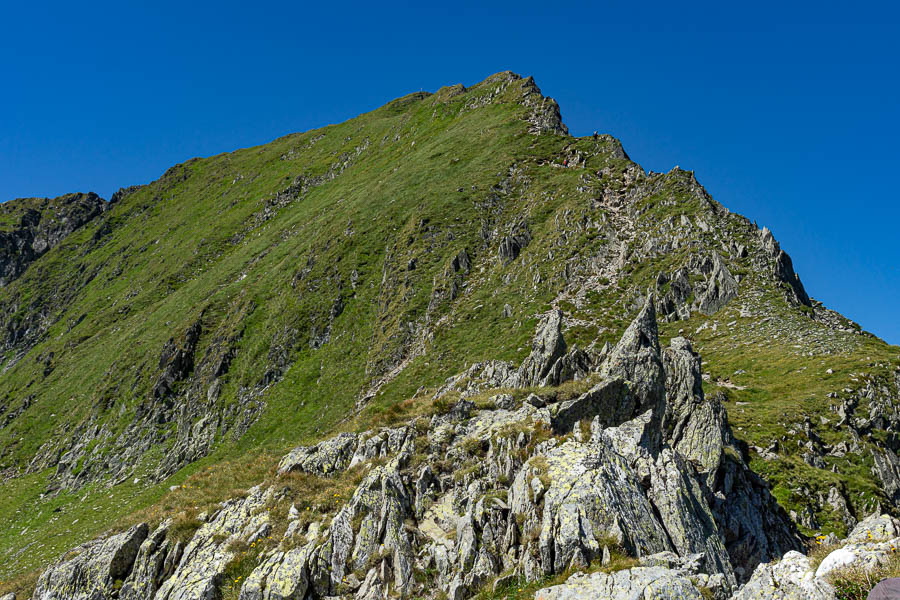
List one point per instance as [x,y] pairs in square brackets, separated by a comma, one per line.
[204,559]
[639,583]
[43,223]
[154,563]
[611,401]
[280,576]
[547,348]
[791,578]
[720,286]
[92,572]
[636,359]
[686,516]
[593,492]
[325,458]
[887,469]
[875,528]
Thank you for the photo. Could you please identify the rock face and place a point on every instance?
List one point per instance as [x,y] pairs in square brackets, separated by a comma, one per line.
[642,460]
[39,225]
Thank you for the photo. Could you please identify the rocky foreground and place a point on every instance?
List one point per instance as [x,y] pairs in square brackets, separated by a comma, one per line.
[494,490]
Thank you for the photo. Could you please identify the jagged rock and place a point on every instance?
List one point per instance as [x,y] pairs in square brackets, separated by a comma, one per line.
[513,244]
[783,268]
[207,554]
[610,401]
[348,449]
[636,359]
[692,425]
[593,491]
[9,596]
[42,224]
[545,115]
[176,361]
[720,287]
[155,562]
[673,302]
[328,457]
[380,505]
[385,442]
[547,348]
[837,501]
[874,528]
[280,576]
[639,583]
[685,515]
[791,578]
[92,572]
[887,469]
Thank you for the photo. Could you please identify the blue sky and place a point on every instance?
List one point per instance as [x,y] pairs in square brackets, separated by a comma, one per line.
[789,113]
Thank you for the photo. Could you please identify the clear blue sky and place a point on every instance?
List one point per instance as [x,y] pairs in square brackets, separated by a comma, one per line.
[788,113]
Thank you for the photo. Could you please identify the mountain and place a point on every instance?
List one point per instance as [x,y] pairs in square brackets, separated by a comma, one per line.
[446,328]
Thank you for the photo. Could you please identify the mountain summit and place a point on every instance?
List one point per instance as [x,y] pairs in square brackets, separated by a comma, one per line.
[439,350]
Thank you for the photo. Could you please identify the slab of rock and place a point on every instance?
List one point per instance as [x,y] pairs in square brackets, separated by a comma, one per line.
[636,359]
[325,458]
[866,556]
[547,348]
[639,583]
[280,576]
[156,560]
[92,572]
[593,489]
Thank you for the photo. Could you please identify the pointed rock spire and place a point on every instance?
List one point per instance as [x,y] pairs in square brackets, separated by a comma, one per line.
[636,358]
[546,349]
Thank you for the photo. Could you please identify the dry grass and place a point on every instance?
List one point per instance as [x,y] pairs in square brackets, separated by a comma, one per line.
[204,491]
[856,583]
[520,589]
[818,551]
[22,585]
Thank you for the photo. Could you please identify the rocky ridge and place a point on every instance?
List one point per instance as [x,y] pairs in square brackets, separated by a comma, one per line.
[257,298]
[38,224]
[642,462]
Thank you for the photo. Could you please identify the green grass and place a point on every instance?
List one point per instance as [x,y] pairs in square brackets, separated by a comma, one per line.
[403,190]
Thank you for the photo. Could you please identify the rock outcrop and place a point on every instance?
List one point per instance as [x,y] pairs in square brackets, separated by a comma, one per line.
[641,460]
[92,571]
[39,225]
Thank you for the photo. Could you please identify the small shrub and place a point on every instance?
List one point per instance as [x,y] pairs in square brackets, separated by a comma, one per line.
[474,446]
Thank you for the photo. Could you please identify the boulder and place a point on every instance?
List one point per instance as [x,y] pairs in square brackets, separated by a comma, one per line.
[875,528]
[791,578]
[90,572]
[325,458]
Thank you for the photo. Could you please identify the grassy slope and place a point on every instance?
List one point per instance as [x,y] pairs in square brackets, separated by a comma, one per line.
[170,257]
[194,243]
